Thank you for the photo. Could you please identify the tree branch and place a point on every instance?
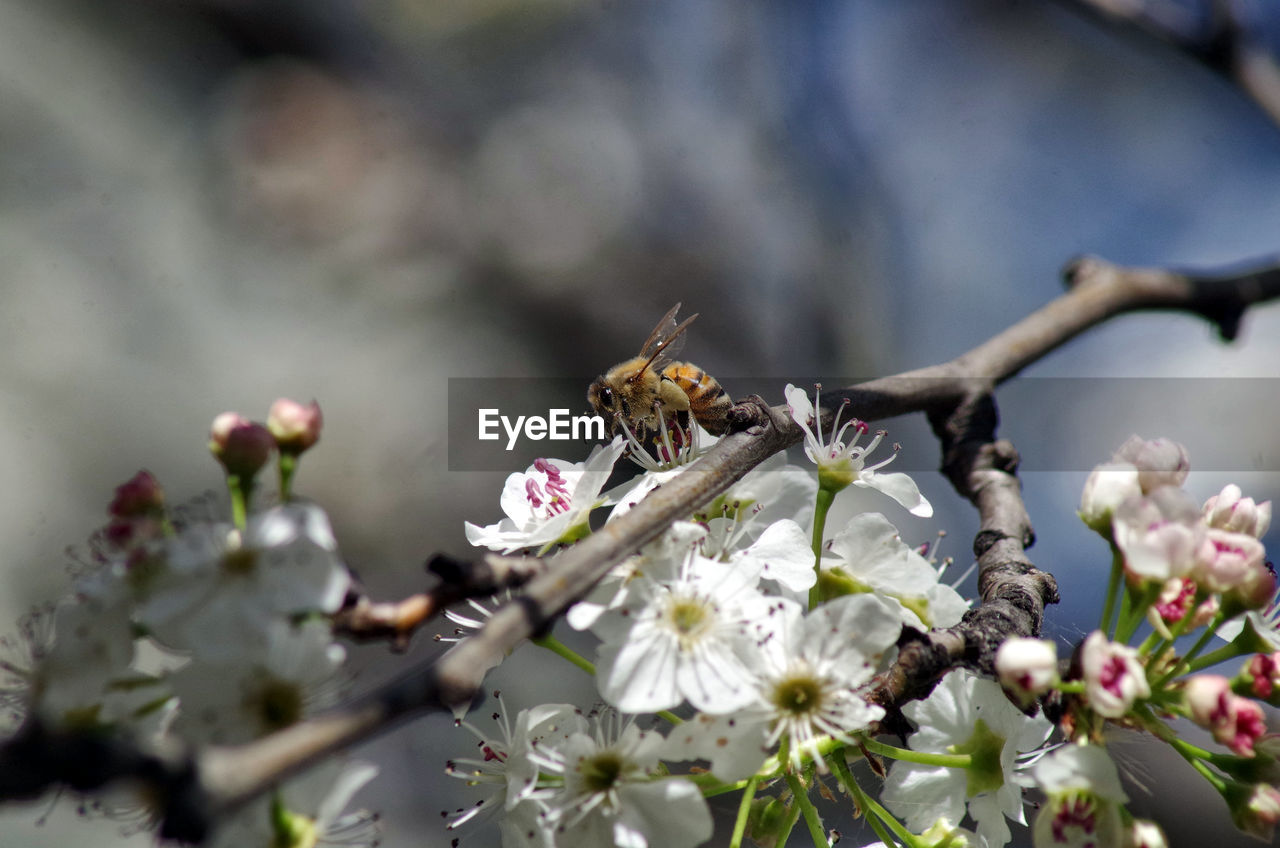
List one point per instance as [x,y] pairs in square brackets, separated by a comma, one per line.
[957,396]
[364,619]
[1224,40]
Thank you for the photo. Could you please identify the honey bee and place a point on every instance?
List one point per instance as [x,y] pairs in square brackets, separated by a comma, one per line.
[637,392]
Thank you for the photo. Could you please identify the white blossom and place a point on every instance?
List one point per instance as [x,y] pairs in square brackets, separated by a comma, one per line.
[610,793]
[805,683]
[869,555]
[551,501]
[223,588]
[968,715]
[296,674]
[1084,798]
[680,639]
[841,464]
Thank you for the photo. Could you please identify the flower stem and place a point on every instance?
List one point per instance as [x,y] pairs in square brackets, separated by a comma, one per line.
[744,809]
[1193,754]
[922,757]
[287,465]
[560,649]
[712,785]
[825,498]
[1186,663]
[1137,612]
[239,490]
[1113,589]
[810,812]
[1226,652]
[793,815]
[876,815]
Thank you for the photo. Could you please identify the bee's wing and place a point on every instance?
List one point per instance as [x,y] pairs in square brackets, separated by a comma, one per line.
[665,341]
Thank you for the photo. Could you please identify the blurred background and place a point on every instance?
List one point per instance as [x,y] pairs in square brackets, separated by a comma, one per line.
[207,204]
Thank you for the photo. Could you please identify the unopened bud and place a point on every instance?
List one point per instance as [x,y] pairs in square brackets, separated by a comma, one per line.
[1229,510]
[1113,676]
[295,426]
[1027,667]
[1234,721]
[1227,560]
[242,446]
[1143,833]
[1108,486]
[1160,462]
[1255,809]
[141,496]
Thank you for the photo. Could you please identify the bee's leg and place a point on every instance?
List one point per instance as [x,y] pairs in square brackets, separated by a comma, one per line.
[752,414]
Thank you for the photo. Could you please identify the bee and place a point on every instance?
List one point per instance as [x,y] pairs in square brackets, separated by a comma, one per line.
[650,388]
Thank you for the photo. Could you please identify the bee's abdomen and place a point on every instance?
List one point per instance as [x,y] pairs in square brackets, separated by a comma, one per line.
[708,400]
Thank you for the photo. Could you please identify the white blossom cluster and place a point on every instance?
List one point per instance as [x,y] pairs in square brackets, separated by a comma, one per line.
[767,641]
[765,633]
[190,624]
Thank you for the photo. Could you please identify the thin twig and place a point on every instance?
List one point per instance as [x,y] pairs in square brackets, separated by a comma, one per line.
[363,619]
[1223,39]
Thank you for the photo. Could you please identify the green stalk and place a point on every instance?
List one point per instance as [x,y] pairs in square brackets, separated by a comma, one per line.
[1226,652]
[793,815]
[560,649]
[1137,613]
[1184,664]
[1193,754]
[1113,587]
[744,809]
[712,786]
[876,816]
[287,465]
[239,490]
[810,812]
[822,505]
[922,757]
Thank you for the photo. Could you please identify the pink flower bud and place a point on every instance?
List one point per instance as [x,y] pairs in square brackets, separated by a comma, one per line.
[295,427]
[1108,486]
[1175,599]
[1234,721]
[242,446]
[1228,510]
[1257,812]
[1226,560]
[1263,671]
[1027,667]
[1255,591]
[1113,676]
[1145,834]
[140,496]
[1160,462]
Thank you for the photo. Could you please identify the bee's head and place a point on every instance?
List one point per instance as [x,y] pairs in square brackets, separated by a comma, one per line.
[606,401]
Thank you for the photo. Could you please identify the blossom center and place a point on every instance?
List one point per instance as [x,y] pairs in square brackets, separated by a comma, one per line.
[277,704]
[798,695]
[984,772]
[1113,675]
[1075,814]
[600,772]
[553,496]
[689,617]
[240,562]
